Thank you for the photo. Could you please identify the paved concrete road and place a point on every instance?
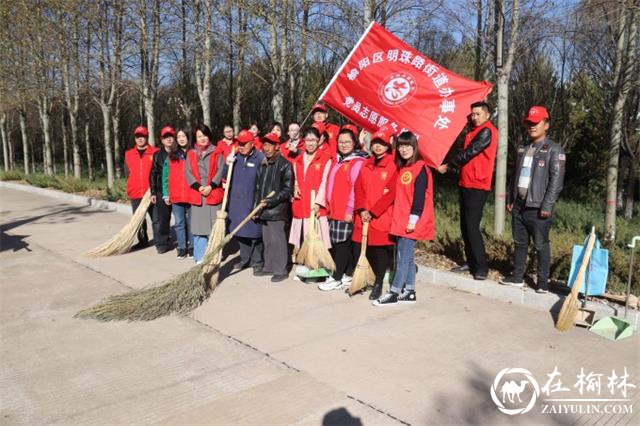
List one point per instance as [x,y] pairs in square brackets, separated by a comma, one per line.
[262,353]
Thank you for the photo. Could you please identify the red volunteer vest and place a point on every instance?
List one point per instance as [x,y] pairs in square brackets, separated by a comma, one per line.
[215,196]
[257,142]
[342,187]
[287,154]
[405,181]
[311,181]
[332,130]
[374,181]
[139,170]
[179,189]
[478,172]
[223,148]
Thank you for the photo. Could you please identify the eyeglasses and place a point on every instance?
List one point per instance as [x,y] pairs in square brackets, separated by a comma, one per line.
[311,140]
[344,142]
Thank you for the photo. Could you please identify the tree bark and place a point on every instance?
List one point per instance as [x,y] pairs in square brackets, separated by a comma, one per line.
[276,63]
[478,64]
[5,141]
[631,188]
[106,119]
[503,72]
[65,147]
[204,56]
[88,149]
[623,75]
[70,77]
[45,121]
[22,119]
[150,56]
[237,98]
[115,119]
[369,12]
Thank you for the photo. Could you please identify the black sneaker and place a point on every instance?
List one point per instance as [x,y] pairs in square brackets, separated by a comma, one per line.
[460,269]
[480,276]
[162,249]
[190,253]
[140,245]
[258,272]
[278,278]
[388,299]
[182,253]
[239,266]
[542,288]
[512,281]
[376,291]
[407,297]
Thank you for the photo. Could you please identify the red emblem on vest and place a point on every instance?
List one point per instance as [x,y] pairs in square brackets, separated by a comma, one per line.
[406,178]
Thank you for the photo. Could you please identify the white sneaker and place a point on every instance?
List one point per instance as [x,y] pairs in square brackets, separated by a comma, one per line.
[331,284]
[346,279]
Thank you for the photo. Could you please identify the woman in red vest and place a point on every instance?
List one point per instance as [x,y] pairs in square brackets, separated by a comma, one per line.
[344,172]
[376,178]
[310,171]
[227,142]
[203,172]
[179,193]
[412,218]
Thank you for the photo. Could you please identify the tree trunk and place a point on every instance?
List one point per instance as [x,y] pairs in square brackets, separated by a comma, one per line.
[369,12]
[65,147]
[115,119]
[12,158]
[204,57]
[623,76]
[22,118]
[237,98]
[45,120]
[631,188]
[106,119]
[5,142]
[478,67]
[88,149]
[276,64]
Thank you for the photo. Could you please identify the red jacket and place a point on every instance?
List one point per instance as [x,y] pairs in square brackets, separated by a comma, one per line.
[179,189]
[307,182]
[139,170]
[216,194]
[289,155]
[257,142]
[478,172]
[403,200]
[340,187]
[223,148]
[375,180]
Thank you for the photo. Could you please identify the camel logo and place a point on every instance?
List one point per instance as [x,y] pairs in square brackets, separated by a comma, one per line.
[512,390]
[397,89]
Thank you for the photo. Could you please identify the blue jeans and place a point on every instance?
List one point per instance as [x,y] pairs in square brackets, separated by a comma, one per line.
[199,246]
[182,218]
[405,275]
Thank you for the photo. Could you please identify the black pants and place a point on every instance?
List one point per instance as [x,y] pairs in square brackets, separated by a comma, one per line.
[343,256]
[471,206]
[380,258]
[276,250]
[161,223]
[527,224]
[250,252]
[143,235]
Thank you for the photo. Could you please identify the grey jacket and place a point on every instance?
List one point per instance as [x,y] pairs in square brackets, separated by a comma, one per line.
[547,175]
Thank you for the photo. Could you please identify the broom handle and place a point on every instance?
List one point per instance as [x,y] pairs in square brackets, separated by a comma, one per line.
[313,214]
[585,262]
[223,207]
[365,237]
[254,212]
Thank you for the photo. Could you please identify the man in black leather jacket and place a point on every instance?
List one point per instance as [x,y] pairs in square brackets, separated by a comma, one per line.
[536,182]
[275,174]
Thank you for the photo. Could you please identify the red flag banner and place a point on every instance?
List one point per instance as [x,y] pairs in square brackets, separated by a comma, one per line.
[384,81]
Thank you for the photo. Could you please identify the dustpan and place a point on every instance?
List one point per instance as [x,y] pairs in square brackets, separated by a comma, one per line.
[612,328]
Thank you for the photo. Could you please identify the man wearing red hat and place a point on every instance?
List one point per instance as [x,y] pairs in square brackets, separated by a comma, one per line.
[137,169]
[476,162]
[241,193]
[162,206]
[535,186]
[320,115]
[275,174]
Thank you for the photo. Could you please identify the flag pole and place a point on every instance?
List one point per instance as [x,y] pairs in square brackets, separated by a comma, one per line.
[344,63]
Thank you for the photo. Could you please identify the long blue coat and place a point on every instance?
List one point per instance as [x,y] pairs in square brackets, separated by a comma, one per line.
[243,183]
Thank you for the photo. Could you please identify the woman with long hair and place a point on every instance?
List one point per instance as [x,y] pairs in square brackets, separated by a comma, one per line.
[345,168]
[204,173]
[412,218]
[176,191]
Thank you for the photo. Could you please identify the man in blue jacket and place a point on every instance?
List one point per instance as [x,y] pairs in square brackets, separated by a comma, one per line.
[241,194]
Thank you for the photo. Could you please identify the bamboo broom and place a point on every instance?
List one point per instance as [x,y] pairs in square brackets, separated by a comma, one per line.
[314,254]
[122,242]
[569,311]
[363,275]
[220,225]
[179,295]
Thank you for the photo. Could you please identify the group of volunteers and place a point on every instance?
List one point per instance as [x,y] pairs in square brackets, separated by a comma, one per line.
[346,180]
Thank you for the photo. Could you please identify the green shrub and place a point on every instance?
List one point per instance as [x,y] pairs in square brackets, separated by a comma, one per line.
[12,175]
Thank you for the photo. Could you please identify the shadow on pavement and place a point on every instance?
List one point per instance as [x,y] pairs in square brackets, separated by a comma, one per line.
[342,417]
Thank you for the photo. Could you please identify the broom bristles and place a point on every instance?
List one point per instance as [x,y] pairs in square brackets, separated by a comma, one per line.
[362,276]
[217,232]
[121,243]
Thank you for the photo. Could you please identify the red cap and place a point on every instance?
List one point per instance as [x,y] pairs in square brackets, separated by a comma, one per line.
[318,107]
[383,134]
[352,128]
[537,114]
[271,138]
[141,131]
[167,131]
[244,136]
